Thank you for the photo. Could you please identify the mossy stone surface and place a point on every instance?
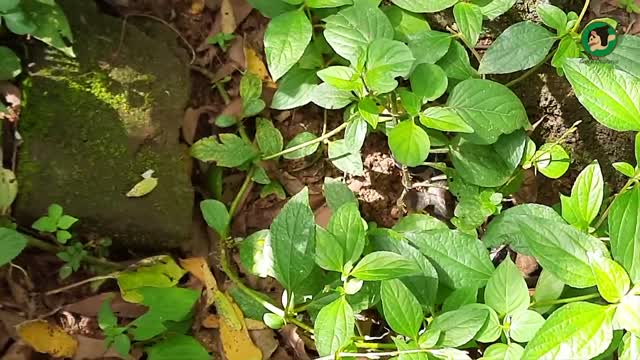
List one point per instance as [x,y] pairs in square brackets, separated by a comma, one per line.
[92,125]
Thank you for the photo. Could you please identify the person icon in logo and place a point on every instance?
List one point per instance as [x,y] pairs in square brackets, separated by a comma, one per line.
[599,38]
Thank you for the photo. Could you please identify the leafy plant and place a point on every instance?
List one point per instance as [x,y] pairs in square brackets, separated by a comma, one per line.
[221,39]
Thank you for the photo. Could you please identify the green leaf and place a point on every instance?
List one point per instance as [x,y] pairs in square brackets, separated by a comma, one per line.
[122,345]
[232,151]
[251,308]
[401,309]
[552,160]
[507,55]
[334,326]
[460,297]
[62,236]
[612,96]
[410,102]
[409,143]
[428,81]
[459,326]
[548,288]
[456,63]
[345,159]
[299,139]
[490,108]
[468,17]
[429,46]
[178,347]
[369,110]
[586,197]
[460,259]
[418,222]
[293,241]
[106,317]
[494,8]
[158,272]
[387,60]
[411,345]
[538,231]
[329,251]
[405,24]
[625,168]
[567,49]
[45,224]
[552,16]
[225,121]
[271,8]
[66,221]
[269,138]
[424,6]
[355,133]
[165,305]
[337,193]
[575,331]
[524,325]
[55,212]
[612,280]
[294,89]
[627,314]
[285,40]
[384,265]
[250,87]
[623,56]
[350,31]
[328,97]
[52,25]
[260,176]
[492,328]
[488,165]
[8,188]
[341,77]
[6,5]
[499,351]
[252,107]
[327,3]
[630,347]
[348,228]
[256,254]
[624,231]
[445,119]
[10,66]
[216,215]
[506,291]
[273,321]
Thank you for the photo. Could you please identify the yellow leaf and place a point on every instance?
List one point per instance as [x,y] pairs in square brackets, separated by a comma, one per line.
[236,343]
[200,269]
[228,17]
[158,271]
[144,187]
[255,65]
[213,322]
[47,338]
[197,6]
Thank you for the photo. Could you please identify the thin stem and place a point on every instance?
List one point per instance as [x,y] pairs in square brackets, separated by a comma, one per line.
[581,16]
[45,246]
[439,151]
[299,324]
[223,93]
[305,144]
[605,214]
[566,300]
[241,193]
[80,283]
[530,71]
[376,355]
[380,346]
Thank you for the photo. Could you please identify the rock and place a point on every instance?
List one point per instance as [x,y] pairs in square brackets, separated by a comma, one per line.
[94,124]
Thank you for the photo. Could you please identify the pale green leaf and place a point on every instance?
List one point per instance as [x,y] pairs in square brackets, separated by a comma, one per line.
[11,245]
[355,133]
[460,297]
[401,309]
[494,8]
[428,81]
[567,49]
[624,55]
[405,24]
[468,17]
[285,40]
[329,251]
[552,160]
[612,280]
[630,347]
[269,138]
[256,254]
[586,197]
[552,16]
[624,232]
[294,89]
[341,77]
[216,215]
[232,151]
[627,314]
[429,46]
[409,143]
[418,222]
[328,97]
[456,63]
[445,119]
[300,139]
[499,351]
[337,193]
[410,102]
[384,265]
[548,288]
[506,290]
[345,159]
[492,328]
[271,8]
[459,326]
[178,347]
[327,3]
[143,187]
[424,6]
[334,326]
[386,60]
[524,325]
[625,168]
[348,228]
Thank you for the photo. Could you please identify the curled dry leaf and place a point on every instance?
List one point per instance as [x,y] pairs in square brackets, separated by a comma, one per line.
[91,348]
[48,338]
[291,337]
[199,268]
[265,340]
[91,306]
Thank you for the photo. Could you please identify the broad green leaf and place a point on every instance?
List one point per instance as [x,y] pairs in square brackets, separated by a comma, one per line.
[499,351]
[294,89]
[369,111]
[460,259]
[6,5]
[627,314]
[401,309]
[637,148]
[552,160]
[492,328]
[490,108]
[269,138]
[560,248]
[418,222]
[345,159]
[423,286]
[328,97]
[386,60]
[460,297]
[405,24]
[612,96]
[506,291]
[178,347]
[11,245]
[327,3]
[334,326]
[293,241]
[166,305]
[612,280]
[52,25]
[341,77]
[250,87]
[488,165]
[507,55]
[285,40]
[300,139]
[409,143]
[355,133]
[429,46]
[445,119]
[428,81]
[524,325]
[630,347]
[548,288]
[337,193]
[624,55]
[625,168]
[348,228]
[459,326]
[19,22]
[122,344]
[494,8]
[468,17]
[158,272]
[384,265]
[411,345]
[251,308]
[271,8]
[232,151]
[456,63]
[567,49]
[106,317]
[66,221]
[273,321]
[256,254]
[424,6]
[578,330]
[586,197]
[10,66]
[410,102]
[329,251]
[216,215]
[552,16]
[350,31]
[624,232]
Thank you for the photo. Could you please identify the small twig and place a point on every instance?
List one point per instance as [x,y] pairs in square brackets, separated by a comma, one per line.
[124,28]
[242,193]
[54,249]
[305,144]
[82,282]
[581,16]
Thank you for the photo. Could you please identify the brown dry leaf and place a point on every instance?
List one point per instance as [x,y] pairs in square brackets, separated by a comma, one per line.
[291,337]
[228,19]
[255,65]
[90,348]
[91,306]
[322,215]
[199,268]
[191,120]
[213,322]
[236,343]
[48,338]
[265,340]
[18,351]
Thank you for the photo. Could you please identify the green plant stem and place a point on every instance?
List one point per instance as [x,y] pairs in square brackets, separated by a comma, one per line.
[223,93]
[82,282]
[45,246]
[242,192]
[581,16]
[369,345]
[299,324]
[530,71]
[439,151]
[566,300]
[310,142]
[605,214]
